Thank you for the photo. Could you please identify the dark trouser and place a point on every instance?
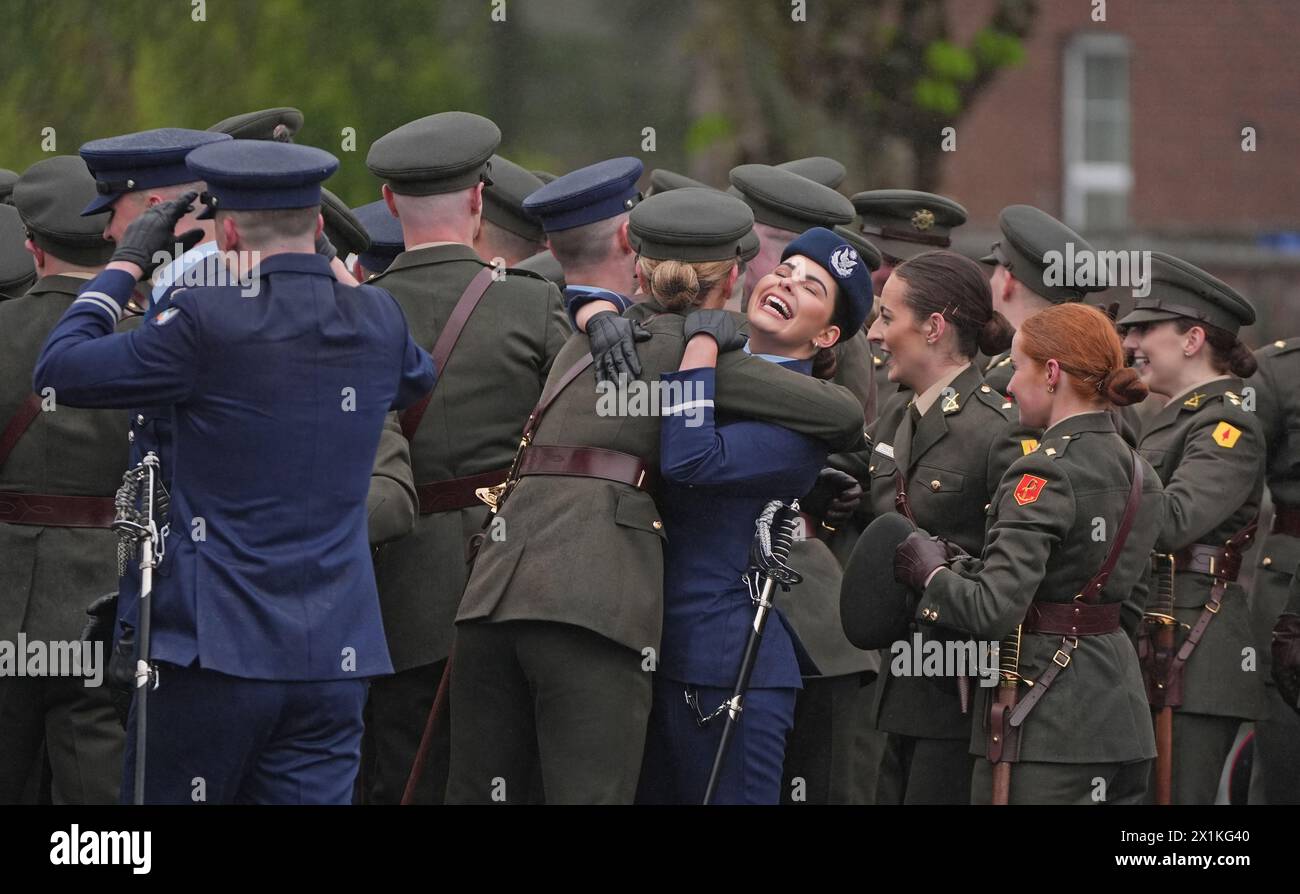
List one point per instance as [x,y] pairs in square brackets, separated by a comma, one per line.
[525,693]
[823,757]
[81,734]
[1277,753]
[396,714]
[1201,746]
[1035,782]
[218,739]
[679,752]
[925,771]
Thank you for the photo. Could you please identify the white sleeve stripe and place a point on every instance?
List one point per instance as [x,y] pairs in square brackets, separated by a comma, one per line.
[689,405]
[94,298]
[111,302]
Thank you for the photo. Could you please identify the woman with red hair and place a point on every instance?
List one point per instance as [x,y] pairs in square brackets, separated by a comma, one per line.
[1071,528]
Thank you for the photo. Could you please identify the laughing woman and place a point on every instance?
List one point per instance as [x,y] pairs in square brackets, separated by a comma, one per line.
[719,474]
[1209,449]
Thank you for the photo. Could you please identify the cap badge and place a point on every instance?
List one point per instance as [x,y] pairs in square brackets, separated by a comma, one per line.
[843,261]
[923,219]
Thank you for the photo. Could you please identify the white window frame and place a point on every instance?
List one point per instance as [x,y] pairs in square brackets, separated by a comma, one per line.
[1082,177]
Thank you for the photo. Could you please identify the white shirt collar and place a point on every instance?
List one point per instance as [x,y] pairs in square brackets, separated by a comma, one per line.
[168,276]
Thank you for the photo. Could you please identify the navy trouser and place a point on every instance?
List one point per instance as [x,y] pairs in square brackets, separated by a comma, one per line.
[218,739]
[679,752]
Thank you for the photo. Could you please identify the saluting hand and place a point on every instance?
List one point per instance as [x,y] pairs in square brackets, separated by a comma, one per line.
[613,345]
[152,235]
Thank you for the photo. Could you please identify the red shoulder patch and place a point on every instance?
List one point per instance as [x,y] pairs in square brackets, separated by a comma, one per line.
[1029,489]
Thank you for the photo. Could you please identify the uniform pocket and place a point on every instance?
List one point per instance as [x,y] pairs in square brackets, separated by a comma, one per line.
[939,481]
[636,509]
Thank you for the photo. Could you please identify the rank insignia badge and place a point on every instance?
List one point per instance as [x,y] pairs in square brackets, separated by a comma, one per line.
[1226,435]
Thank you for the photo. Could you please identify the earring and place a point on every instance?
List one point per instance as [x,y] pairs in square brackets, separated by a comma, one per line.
[1187,353]
[1051,389]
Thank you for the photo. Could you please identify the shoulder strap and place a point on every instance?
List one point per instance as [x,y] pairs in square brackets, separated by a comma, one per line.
[21,420]
[1091,591]
[442,348]
[535,417]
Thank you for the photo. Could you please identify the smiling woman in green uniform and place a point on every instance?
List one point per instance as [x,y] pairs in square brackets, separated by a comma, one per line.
[944,442]
[1058,580]
[1210,452]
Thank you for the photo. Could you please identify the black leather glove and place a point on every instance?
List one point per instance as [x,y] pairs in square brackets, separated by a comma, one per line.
[153,232]
[1286,659]
[613,345]
[102,612]
[121,673]
[833,498]
[916,557]
[325,248]
[720,325]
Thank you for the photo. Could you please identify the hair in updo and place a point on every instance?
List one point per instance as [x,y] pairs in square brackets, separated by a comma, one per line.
[1083,341]
[681,285]
[1227,353]
[944,282]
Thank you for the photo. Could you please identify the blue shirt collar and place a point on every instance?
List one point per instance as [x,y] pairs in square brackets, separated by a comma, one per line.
[795,363]
[175,271]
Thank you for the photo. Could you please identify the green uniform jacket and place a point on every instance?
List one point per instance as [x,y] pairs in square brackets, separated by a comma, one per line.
[965,445]
[589,552]
[1044,545]
[49,575]
[472,425]
[813,609]
[391,502]
[1276,396]
[1213,483]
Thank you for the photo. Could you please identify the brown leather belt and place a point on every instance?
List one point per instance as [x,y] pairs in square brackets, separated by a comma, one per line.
[813,528]
[456,493]
[585,462]
[1072,618]
[1203,558]
[1286,520]
[56,511]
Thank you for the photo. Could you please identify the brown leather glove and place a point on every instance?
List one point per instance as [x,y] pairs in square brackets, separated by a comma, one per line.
[1286,658]
[916,557]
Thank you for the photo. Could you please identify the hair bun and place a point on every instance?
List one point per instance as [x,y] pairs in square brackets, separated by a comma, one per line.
[1123,387]
[995,335]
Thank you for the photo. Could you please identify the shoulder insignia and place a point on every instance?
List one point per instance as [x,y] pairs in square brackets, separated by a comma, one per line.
[1279,344]
[1005,360]
[166,316]
[951,403]
[1226,435]
[1028,446]
[877,360]
[1050,451]
[1008,404]
[1029,489]
[1194,402]
[1232,398]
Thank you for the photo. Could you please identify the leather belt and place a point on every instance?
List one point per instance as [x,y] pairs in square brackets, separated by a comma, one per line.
[1286,520]
[1072,618]
[456,493]
[1203,558]
[813,528]
[585,462]
[56,511]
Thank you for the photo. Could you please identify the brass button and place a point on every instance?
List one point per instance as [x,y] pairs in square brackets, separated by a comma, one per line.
[1268,560]
[658,525]
[934,614]
[986,506]
[935,484]
[871,468]
[985,389]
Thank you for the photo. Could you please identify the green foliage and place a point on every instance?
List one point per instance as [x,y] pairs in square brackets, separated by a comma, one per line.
[997,49]
[947,61]
[706,131]
[936,96]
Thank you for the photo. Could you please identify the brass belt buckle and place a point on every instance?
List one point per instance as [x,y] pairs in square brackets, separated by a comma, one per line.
[490,495]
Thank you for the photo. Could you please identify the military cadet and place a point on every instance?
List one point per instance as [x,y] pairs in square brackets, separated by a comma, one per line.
[902,223]
[17,272]
[464,435]
[509,234]
[59,470]
[585,217]
[555,666]
[937,454]
[384,235]
[718,476]
[1210,452]
[1063,601]
[663,180]
[1277,405]
[1020,280]
[7,180]
[279,400]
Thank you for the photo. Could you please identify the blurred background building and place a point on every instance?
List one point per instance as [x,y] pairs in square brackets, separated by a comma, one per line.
[1129,128]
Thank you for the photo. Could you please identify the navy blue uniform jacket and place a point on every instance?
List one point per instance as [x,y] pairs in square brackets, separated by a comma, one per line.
[277,404]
